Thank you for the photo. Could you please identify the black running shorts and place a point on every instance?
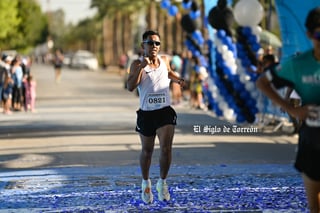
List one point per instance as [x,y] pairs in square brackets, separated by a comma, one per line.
[149,121]
[308,156]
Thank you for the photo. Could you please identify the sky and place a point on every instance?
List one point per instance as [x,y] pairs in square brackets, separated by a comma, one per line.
[75,10]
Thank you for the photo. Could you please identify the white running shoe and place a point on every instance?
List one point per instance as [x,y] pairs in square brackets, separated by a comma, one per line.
[146,193]
[163,192]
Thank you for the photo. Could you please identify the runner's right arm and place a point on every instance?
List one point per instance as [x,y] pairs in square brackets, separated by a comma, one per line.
[135,74]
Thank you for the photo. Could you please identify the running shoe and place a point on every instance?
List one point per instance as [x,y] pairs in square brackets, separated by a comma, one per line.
[146,193]
[163,192]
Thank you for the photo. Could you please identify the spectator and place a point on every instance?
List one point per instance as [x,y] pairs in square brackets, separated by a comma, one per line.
[30,93]
[17,77]
[198,76]
[7,95]
[176,65]
[123,60]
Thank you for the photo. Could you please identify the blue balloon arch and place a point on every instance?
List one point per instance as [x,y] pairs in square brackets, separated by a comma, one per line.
[237,97]
[291,16]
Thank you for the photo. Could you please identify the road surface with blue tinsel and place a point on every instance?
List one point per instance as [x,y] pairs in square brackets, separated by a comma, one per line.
[217,188]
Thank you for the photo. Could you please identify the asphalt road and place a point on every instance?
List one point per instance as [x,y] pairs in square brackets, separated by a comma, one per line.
[88,120]
[79,151]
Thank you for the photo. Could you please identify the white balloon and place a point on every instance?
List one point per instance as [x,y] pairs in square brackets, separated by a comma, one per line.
[260,106]
[234,69]
[222,105]
[248,12]
[255,94]
[225,56]
[224,48]
[228,114]
[256,30]
[230,55]
[249,86]
[214,95]
[243,78]
[219,99]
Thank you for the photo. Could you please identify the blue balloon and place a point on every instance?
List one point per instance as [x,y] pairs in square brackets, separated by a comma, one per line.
[229,100]
[196,34]
[240,119]
[228,41]
[239,46]
[196,68]
[252,39]
[250,103]
[200,39]
[253,68]
[241,54]
[195,14]
[209,43]
[196,53]
[221,34]
[246,31]
[254,110]
[245,62]
[205,22]
[256,47]
[218,111]
[165,4]
[236,110]
[173,10]
[219,57]
[203,60]
[186,5]
[237,86]
[244,95]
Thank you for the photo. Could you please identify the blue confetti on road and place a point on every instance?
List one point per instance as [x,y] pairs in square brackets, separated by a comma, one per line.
[219,188]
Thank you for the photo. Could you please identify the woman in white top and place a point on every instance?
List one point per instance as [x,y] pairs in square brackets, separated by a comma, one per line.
[151,74]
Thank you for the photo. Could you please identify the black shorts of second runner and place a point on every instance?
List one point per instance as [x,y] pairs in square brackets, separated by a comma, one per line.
[149,121]
[308,155]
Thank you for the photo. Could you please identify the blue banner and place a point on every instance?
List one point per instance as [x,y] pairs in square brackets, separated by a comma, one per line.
[292,15]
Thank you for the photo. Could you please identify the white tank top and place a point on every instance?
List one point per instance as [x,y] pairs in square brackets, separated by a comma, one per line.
[154,92]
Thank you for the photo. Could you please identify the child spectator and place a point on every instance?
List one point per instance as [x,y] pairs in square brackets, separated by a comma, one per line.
[30,93]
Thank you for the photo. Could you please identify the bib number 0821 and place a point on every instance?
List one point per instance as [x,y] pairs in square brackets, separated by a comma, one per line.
[157,100]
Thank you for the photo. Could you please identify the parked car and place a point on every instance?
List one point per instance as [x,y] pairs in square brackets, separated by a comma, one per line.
[67,57]
[84,59]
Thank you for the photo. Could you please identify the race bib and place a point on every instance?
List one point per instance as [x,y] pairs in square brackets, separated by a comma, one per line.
[314,122]
[156,100]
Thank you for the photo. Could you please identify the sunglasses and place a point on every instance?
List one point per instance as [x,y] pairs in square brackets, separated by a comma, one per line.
[151,43]
[316,35]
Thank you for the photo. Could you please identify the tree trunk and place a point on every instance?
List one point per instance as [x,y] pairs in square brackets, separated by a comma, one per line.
[161,28]
[152,15]
[127,38]
[115,38]
[107,41]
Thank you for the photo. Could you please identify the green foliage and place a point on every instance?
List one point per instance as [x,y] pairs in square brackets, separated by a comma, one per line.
[109,8]
[86,31]
[22,24]
[8,19]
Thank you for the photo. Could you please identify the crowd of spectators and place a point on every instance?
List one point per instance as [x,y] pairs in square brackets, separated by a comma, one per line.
[17,85]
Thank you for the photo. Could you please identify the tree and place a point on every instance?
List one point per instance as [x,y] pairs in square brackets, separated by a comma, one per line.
[22,24]
[117,17]
[33,26]
[9,20]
